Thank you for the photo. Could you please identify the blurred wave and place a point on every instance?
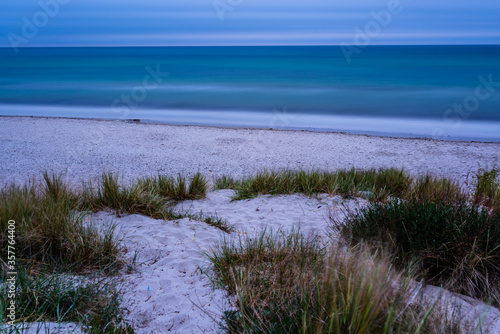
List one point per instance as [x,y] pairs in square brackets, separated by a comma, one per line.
[391,82]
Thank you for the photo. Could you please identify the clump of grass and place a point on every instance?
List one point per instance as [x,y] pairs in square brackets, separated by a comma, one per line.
[435,189]
[375,185]
[289,284]
[132,199]
[487,189]
[381,183]
[212,220]
[53,234]
[230,255]
[57,298]
[107,315]
[149,196]
[198,187]
[176,189]
[166,187]
[263,182]
[112,195]
[225,182]
[135,198]
[220,223]
[50,230]
[455,246]
[54,187]
[180,188]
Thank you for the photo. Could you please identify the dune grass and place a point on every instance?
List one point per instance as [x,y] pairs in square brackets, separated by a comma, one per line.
[454,246]
[277,283]
[436,189]
[51,232]
[150,196]
[52,235]
[212,220]
[285,283]
[487,189]
[133,199]
[225,182]
[431,227]
[56,298]
[52,219]
[374,185]
[178,188]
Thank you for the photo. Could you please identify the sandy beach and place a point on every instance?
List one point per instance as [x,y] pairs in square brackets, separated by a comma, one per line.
[82,148]
[167,292]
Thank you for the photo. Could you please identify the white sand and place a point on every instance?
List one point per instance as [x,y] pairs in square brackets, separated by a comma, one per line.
[83,148]
[180,299]
[180,296]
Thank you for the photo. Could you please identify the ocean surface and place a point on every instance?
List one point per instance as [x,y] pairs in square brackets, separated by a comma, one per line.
[446,92]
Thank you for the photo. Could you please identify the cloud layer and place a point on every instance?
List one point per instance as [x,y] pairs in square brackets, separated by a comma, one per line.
[247,22]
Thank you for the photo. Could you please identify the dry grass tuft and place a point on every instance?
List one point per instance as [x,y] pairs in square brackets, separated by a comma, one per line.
[289,284]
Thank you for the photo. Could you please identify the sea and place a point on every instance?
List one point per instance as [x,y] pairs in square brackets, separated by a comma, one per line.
[444,92]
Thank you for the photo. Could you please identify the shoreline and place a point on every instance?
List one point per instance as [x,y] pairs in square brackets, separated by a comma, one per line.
[79,148]
[282,129]
[384,126]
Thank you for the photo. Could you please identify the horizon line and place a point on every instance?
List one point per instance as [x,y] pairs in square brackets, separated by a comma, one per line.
[244,45]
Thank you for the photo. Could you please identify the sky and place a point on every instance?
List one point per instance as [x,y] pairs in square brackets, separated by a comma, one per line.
[25,23]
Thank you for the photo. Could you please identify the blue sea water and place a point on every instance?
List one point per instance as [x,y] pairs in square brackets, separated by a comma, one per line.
[448,92]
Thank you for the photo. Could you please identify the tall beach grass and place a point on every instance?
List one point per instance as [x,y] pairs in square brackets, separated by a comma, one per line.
[285,283]
[454,246]
[487,188]
[374,185]
[50,230]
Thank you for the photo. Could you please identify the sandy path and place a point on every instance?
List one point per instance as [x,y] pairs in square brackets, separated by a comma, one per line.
[170,253]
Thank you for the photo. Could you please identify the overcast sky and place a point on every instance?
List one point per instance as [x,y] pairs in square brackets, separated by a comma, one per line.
[247,22]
